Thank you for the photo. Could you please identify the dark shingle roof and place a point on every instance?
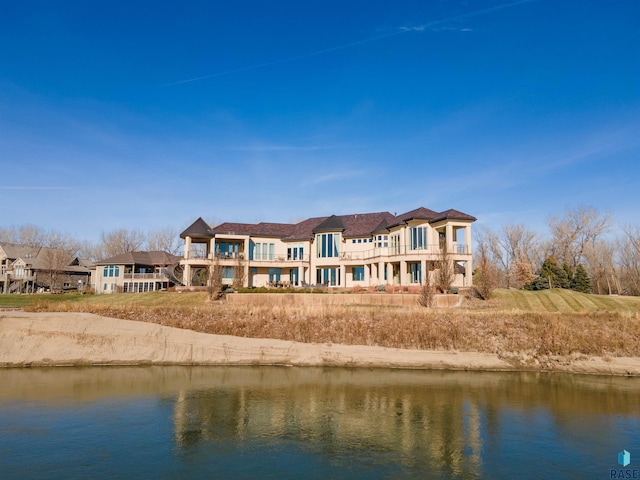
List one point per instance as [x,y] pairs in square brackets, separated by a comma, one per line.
[420,213]
[263,229]
[198,229]
[354,225]
[452,214]
[331,224]
[141,258]
[431,216]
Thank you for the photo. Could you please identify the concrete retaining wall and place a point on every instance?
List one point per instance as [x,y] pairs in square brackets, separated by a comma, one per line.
[405,299]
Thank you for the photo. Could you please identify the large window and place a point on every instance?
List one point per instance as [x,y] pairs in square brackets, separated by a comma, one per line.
[274,274]
[295,253]
[138,287]
[328,276]
[264,251]
[358,273]
[111,271]
[227,249]
[327,245]
[418,238]
[415,271]
[395,244]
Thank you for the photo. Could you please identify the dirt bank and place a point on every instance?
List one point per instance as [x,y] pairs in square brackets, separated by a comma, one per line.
[46,339]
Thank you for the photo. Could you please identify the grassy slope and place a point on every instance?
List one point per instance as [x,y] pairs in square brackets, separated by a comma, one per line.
[516,324]
[556,300]
[559,300]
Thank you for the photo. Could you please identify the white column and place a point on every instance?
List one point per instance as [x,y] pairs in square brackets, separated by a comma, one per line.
[403,273]
[187,275]
[449,238]
[187,246]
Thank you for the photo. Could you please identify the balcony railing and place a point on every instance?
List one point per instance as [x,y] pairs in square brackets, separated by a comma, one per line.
[456,249]
[154,275]
[372,253]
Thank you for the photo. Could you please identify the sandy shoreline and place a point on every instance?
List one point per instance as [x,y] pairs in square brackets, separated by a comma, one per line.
[48,339]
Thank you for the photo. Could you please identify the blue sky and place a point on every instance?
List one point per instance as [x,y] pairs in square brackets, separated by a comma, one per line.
[145,115]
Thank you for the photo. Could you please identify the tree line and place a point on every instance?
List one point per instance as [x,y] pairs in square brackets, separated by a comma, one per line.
[580,251]
[111,243]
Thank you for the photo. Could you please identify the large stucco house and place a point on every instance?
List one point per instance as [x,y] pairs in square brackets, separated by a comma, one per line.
[364,249]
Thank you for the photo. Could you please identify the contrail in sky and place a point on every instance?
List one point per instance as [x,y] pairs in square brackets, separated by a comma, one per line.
[400,31]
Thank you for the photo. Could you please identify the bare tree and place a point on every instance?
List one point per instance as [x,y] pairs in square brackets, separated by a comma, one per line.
[600,262]
[27,235]
[57,255]
[445,272]
[575,231]
[89,251]
[239,275]
[512,249]
[485,277]
[165,240]
[629,260]
[120,241]
[214,280]
[427,294]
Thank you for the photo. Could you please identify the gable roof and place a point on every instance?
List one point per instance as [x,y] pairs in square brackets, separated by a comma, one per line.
[331,224]
[45,258]
[151,258]
[13,251]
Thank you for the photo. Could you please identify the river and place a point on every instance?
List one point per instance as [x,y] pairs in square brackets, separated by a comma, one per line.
[280,422]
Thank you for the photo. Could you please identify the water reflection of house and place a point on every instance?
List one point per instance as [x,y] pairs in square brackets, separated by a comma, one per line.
[435,428]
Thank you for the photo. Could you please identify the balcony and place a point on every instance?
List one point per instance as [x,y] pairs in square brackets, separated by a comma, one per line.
[143,276]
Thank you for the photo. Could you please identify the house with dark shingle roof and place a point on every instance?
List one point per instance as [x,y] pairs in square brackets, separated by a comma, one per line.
[134,272]
[30,269]
[363,249]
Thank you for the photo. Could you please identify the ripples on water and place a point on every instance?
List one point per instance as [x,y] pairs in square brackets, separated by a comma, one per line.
[278,422]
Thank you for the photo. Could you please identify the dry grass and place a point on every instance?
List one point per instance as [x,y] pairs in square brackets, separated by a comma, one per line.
[562,328]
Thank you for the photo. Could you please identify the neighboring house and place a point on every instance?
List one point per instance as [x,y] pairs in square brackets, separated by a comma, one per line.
[365,249]
[25,269]
[135,272]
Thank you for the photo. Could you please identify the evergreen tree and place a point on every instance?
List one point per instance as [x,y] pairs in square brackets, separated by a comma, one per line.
[569,272]
[581,281]
[555,275]
[550,275]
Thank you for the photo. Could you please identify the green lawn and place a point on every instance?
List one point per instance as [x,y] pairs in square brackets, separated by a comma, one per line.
[560,300]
